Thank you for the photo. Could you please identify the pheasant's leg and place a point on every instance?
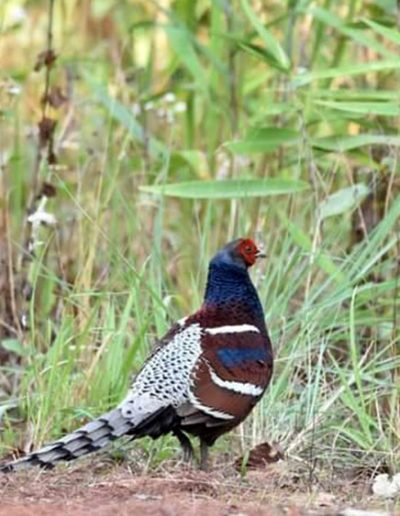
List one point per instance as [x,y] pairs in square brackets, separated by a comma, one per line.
[203,455]
[188,454]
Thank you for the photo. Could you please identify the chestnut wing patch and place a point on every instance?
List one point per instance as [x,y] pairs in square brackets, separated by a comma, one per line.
[231,373]
[242,357]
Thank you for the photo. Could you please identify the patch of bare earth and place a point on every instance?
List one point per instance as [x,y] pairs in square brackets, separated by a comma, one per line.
[93,487]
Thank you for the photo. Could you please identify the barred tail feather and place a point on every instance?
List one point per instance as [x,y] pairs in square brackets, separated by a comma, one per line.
[87,439]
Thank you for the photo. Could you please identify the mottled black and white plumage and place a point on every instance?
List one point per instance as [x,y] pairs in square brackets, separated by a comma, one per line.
[204,378]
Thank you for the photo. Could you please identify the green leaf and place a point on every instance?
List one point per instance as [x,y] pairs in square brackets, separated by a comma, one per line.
[344,71]
[262,54]
[195,159]
[14,346]
[328,18]
[350,142]
[343,200]
[263,139]
[354,94]
[391,34]
[182,42]
[365,108]
[229,189]
[271,43]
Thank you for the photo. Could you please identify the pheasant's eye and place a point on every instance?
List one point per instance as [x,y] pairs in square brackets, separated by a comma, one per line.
[248,250]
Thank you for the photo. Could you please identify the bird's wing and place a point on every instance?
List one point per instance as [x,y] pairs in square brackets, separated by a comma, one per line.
[230,375]
[164,379]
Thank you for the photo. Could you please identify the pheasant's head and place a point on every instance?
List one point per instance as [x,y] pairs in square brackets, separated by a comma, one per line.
[242,252]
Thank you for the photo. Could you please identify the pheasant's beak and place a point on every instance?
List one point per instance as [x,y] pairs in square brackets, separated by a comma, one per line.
[260,254]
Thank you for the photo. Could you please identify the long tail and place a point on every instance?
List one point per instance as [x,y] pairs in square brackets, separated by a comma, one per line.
[87,439]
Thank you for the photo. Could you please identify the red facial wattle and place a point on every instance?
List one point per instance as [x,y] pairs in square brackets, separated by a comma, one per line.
[249,251]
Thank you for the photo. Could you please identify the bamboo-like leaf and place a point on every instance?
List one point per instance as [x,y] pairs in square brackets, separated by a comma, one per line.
[263,139]
[350,142]
[331,20]
[356,94]
[345,71]
[262,54]
[364,108]
[182,43]
[271,43]
[343,200]
[229,189]
[391,34]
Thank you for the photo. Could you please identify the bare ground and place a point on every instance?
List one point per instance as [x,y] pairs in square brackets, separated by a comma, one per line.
[92,486]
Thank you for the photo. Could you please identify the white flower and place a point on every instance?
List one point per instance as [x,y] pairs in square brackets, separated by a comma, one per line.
[42,217]
[169,97]
[14,89]
[4,157]
[37,218]
[180,107]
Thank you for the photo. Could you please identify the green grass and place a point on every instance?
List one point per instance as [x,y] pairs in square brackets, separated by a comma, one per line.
[294,97]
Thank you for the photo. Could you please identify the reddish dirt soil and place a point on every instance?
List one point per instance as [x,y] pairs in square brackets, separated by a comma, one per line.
[94,487]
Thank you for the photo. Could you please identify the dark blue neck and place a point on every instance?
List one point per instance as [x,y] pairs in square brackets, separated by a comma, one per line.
[228,284]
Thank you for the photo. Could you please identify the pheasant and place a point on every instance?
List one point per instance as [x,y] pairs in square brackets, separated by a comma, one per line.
[203,379]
